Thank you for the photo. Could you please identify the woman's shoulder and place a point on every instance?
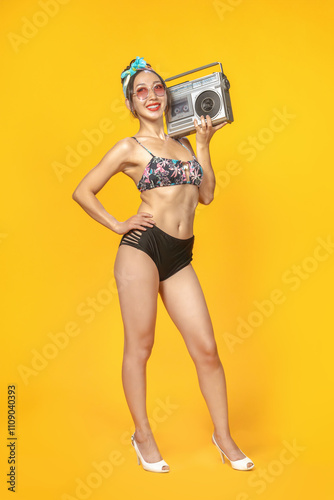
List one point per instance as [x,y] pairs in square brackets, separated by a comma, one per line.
[185,141]
[119,154]
[124,145]
[122,149]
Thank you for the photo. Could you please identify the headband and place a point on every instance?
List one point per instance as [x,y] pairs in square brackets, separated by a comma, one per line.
[139,63]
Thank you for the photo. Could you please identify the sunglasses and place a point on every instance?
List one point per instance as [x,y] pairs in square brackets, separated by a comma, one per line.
[143,92]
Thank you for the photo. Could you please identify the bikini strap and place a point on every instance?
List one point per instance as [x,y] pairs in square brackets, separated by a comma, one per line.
[185,147]
[133,137]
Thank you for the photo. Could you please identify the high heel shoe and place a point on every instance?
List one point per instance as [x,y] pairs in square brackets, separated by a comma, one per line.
[236,464]
[149,466]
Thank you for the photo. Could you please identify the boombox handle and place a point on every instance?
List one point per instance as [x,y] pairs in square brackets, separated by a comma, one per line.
[194,71]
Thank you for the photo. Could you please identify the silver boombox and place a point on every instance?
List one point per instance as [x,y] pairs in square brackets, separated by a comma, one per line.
[208,95]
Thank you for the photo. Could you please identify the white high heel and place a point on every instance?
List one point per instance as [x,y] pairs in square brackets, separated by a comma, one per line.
[149,466]
[236,464]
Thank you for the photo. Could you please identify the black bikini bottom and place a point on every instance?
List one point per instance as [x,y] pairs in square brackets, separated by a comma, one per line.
[170,254]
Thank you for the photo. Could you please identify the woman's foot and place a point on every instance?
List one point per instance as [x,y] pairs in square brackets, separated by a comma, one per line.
[230,449]
[148,447]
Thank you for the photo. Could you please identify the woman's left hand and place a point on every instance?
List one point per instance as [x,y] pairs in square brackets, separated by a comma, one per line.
[205,130]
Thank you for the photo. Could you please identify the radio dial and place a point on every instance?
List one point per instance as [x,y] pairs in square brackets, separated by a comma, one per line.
[226,83]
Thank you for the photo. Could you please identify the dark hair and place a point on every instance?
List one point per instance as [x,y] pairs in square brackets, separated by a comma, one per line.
[129,89]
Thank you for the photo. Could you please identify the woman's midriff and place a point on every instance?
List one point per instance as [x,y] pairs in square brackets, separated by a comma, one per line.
[172,207]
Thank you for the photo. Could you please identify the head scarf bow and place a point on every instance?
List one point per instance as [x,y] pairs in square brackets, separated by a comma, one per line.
[139,63]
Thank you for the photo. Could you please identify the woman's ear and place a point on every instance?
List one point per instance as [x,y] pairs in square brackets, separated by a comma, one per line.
[130,108]
[127,104]
[168,102]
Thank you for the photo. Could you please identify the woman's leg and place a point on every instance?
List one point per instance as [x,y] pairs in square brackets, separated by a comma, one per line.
[137,282]
[184,300]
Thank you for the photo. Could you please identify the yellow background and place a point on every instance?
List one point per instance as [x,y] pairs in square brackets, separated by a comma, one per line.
[60,80]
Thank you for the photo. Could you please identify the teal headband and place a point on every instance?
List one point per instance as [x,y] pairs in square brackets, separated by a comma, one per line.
[139,63]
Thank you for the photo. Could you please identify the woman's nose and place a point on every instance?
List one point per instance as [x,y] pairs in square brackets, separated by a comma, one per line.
[151,89]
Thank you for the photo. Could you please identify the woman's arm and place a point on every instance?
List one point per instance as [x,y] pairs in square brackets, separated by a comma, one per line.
[114,161]
[208,184]
[204,133]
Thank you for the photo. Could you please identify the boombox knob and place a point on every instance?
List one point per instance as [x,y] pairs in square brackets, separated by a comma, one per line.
[226,83]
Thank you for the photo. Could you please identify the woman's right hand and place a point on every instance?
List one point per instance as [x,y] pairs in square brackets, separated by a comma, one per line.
[138,221]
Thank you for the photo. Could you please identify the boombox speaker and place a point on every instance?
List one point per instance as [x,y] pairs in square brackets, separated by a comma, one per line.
[208,95]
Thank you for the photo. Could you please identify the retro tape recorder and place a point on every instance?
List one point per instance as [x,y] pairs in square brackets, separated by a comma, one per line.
[208,95]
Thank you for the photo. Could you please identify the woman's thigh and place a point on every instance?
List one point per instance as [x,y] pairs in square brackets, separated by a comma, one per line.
[184,300]
[137,282]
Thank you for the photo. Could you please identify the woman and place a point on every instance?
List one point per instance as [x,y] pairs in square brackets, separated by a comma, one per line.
[155,253]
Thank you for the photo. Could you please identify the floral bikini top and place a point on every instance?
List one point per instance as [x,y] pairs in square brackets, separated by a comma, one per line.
[168,172]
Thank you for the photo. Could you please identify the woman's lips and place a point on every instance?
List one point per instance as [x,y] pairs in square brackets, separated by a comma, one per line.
[154,107]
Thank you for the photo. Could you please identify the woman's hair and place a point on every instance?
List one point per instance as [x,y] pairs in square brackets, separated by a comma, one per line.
[129,89]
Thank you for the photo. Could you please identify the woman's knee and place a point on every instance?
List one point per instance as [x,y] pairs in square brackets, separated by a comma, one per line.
[205,354]
[138,351]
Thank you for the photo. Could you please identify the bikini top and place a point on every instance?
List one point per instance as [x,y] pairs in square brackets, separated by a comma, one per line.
[168,172]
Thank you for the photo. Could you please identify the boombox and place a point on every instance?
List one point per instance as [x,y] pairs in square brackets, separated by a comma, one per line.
[208,95]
